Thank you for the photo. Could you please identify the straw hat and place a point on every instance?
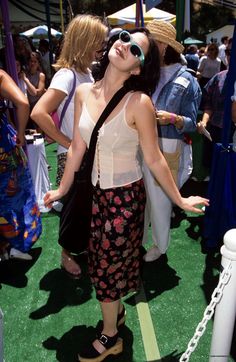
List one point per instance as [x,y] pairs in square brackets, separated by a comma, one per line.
[164,32]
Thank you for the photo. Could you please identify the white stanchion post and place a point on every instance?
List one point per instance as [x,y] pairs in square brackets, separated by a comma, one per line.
[225,312]
[1,336]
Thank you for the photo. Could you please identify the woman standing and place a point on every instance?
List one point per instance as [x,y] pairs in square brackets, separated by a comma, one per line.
[34,80]
[118,189]
[176,99]
[83,40]
[209,64]
[20,223]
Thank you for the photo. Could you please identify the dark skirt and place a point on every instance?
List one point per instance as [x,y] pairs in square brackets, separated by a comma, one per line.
[116,236]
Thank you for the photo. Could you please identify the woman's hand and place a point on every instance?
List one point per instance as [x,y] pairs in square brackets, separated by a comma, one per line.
[20,139]
[51,196]
[200,127]
[164,118]
[190,203]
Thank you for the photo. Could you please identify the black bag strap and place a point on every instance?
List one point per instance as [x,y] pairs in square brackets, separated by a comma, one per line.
[93,140]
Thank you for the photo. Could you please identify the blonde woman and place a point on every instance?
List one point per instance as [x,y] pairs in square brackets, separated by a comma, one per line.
[84,37]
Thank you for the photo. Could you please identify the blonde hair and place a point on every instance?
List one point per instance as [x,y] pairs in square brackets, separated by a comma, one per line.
[85,34]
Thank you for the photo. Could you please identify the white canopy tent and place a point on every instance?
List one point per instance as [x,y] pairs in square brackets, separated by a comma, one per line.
[127,16]
[40,31]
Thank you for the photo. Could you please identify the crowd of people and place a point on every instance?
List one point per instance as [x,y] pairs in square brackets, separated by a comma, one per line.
[143,154]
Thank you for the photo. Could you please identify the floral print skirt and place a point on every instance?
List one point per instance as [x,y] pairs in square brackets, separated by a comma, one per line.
[116,236]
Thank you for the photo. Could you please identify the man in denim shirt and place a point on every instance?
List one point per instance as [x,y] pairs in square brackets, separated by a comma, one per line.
[177,98]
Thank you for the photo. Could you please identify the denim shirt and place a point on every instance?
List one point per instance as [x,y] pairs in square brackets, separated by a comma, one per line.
[180,95]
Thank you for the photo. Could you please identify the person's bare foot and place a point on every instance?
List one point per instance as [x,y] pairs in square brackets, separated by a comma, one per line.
[69,265]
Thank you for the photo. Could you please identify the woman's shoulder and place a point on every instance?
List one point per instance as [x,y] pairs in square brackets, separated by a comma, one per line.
[139,101]
[83,90]
[63,72]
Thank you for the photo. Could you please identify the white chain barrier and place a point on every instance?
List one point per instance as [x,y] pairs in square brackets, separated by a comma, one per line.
[224,318]
[209,311]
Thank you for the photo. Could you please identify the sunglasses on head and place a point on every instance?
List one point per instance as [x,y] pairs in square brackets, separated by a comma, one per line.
[135,49]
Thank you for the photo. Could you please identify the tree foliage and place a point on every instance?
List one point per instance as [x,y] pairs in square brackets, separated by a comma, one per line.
[204,18]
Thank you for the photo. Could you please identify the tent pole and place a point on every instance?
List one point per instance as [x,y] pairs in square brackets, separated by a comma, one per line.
[141,13]
[137,14]
[48,18]
[180,6]
[62,18]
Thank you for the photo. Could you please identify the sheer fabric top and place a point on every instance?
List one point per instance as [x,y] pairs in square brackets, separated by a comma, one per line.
[115,163]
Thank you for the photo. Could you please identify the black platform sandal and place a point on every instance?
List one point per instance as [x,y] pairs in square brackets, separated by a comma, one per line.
[113,345]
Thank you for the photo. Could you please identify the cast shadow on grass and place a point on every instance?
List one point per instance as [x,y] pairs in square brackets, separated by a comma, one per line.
[172,357]
[13,271]
[157,277]
[72,342]
[63,291]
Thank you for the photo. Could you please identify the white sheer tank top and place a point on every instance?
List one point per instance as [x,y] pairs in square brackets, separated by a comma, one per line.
[115,163]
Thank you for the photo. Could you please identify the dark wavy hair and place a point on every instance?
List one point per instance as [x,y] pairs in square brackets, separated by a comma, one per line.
[171,56]
[148,78]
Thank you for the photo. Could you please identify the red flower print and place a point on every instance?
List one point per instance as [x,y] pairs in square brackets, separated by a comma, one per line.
[113,209]
[111,269]
[118,276]
[100,272]
[100,253]
[103,264]
[106,244]
[127,198]
[117,200]
[109,195]
[95,209]
[113,295]
[102,285]
[118,224]
[127,214]
[103,200]
[120,241]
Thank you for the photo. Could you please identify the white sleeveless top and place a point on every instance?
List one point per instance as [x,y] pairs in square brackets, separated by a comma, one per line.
[115,163]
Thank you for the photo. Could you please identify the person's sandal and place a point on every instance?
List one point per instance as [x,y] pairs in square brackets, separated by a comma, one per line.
[66,260]
[113,345]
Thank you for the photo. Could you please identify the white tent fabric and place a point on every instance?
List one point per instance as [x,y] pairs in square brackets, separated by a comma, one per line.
[40,31]
[128,16]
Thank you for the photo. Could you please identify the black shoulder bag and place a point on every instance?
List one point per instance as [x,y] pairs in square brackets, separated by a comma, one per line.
[75,217]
